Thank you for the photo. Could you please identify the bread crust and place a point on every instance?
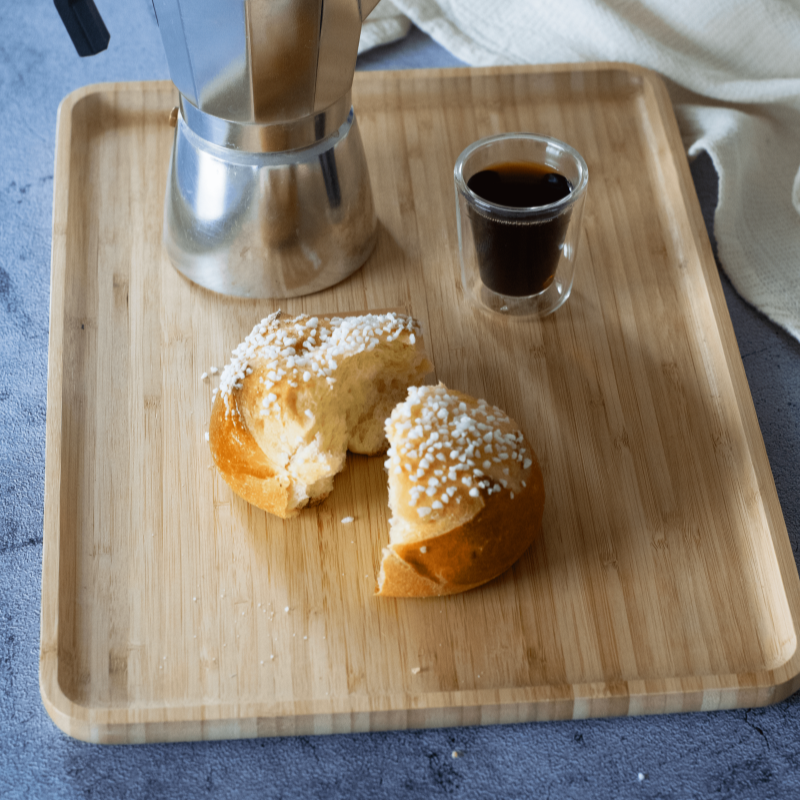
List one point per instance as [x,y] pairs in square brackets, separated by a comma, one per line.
[466,493]
[243,464]
[301,392]
[472,553]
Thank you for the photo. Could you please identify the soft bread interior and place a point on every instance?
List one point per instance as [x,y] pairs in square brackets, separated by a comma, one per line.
[309,389]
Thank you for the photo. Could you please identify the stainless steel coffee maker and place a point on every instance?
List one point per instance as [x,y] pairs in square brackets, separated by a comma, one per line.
[268,193]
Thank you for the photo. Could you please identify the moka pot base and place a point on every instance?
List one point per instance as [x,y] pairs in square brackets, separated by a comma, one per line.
[268,211]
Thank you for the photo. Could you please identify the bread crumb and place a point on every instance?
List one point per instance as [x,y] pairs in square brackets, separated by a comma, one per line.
[416,670]
[213,370]
[423,549]
[455,754]
[206,435]
[347,520]
[286,609]
[641,776]
[204,376]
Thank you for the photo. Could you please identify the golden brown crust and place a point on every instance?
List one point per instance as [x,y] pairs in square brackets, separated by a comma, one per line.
[243,465]
[299,392]
[472,553]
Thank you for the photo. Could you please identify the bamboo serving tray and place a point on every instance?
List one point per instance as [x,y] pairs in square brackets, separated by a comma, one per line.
[173,610]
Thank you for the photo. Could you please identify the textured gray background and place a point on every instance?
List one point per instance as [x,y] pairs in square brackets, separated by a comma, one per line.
[727,754]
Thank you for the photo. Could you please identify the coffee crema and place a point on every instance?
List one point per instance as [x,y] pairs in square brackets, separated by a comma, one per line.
[518,257]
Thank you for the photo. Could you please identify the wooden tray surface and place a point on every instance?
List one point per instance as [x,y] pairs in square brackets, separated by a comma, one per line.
[664,580]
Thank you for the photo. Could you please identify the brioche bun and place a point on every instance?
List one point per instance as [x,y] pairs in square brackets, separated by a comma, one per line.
[300,392]
[465,491]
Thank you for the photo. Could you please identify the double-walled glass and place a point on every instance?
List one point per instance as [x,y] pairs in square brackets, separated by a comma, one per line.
[519,261]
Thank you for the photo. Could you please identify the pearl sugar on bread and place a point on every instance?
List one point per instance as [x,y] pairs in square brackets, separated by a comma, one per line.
[465,491]
[299,392]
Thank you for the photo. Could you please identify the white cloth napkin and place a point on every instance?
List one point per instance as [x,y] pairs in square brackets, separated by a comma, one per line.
[385,24]
[733,70]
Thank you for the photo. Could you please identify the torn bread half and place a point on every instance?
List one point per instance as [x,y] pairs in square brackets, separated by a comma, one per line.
[300,392]
[465,492]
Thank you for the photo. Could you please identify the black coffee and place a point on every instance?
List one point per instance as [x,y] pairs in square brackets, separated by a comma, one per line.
[518,258]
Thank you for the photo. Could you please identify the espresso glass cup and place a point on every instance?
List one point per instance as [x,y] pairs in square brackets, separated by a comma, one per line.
[519,260]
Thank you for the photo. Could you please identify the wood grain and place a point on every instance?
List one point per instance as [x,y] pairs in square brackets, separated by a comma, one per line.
[664,580]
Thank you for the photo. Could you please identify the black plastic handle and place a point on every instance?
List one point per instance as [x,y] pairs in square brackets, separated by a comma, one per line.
[84,25]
